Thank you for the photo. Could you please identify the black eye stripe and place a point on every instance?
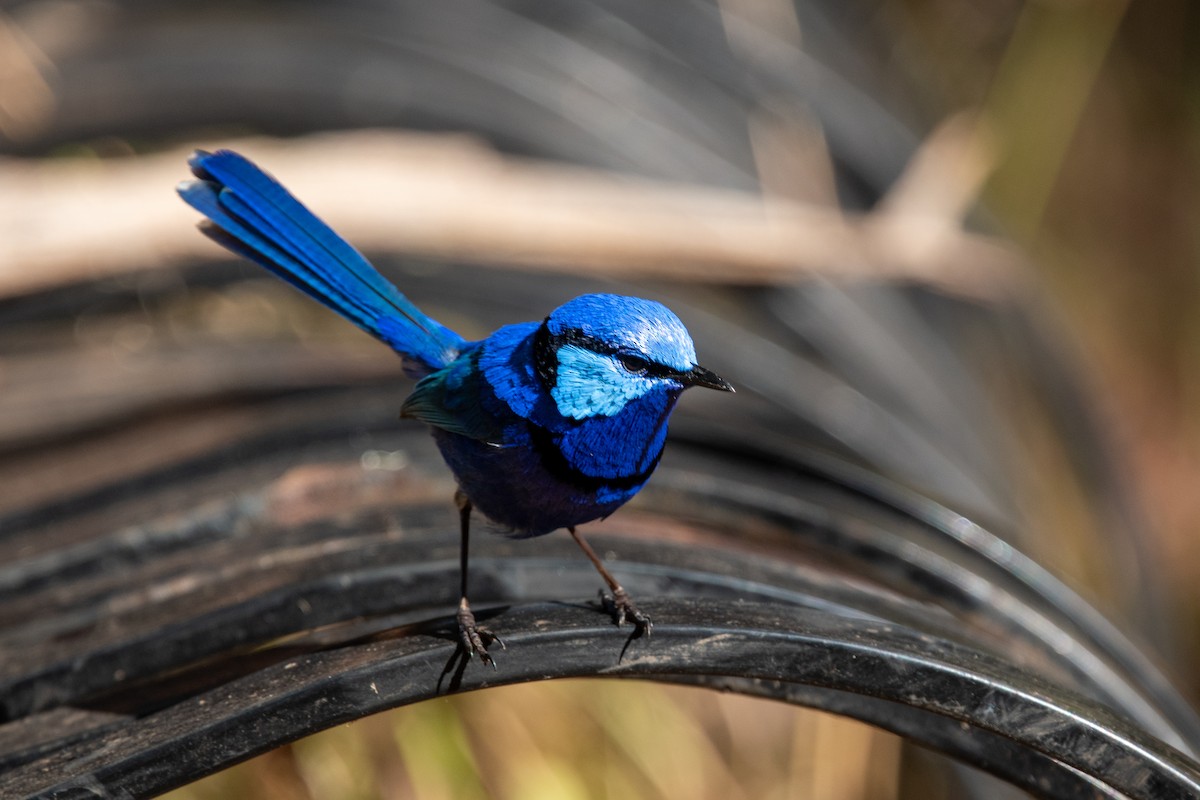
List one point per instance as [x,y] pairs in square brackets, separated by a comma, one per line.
[546,345]
[578,338]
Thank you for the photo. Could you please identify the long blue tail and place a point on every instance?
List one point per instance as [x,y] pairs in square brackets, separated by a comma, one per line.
[252,215]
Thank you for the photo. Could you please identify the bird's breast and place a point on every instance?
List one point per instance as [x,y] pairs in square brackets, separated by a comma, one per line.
[545,478]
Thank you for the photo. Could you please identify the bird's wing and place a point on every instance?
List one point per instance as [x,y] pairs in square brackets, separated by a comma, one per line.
[252,215]
[453,399]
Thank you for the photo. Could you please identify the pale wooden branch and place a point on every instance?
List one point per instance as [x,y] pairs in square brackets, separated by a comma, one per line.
[452,197]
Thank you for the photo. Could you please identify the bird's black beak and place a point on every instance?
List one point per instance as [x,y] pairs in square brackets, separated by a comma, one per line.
[699,376]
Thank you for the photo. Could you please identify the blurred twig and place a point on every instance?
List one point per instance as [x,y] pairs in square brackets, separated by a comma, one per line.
[451,197]
[26,98]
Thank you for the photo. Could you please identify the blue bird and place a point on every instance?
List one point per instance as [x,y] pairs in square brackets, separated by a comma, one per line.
[545,425]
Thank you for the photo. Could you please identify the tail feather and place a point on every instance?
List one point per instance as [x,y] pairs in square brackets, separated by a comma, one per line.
[252,215]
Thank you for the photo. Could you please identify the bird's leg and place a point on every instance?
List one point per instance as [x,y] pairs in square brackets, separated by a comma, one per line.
[474,638]
[618,603]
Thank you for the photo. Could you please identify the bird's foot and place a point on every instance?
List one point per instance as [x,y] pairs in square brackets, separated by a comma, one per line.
[623,610]
[475,639]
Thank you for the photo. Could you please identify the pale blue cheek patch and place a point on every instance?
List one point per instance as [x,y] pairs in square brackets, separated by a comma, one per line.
[590,384]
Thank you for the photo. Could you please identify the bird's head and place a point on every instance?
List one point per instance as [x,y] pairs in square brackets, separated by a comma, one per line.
[599,352]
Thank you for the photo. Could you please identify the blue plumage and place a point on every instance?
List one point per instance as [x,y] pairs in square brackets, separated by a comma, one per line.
[252,215]
[545,425]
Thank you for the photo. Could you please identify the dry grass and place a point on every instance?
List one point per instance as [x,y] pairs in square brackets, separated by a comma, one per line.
[573,740]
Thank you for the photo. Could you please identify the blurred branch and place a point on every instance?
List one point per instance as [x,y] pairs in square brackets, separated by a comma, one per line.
[451,197]
[925,208]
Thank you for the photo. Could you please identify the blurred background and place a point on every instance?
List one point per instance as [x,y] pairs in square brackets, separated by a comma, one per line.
[971,158]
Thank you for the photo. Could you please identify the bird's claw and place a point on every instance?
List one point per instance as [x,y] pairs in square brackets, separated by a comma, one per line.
[475,639]
[623,610]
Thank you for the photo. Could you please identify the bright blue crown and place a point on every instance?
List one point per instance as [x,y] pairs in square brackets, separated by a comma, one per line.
[629,324]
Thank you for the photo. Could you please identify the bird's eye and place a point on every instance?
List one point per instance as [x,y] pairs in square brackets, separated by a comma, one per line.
[634,364]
